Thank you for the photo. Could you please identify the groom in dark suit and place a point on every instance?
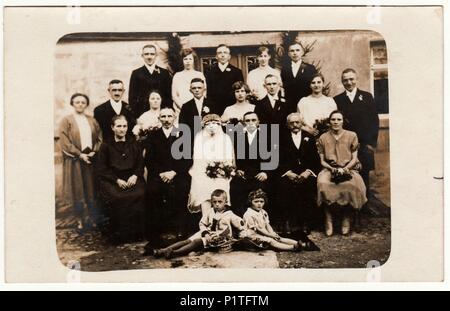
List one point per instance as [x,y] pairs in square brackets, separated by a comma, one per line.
[296,76]
[193,111]
[361,117]
[297,172]
[104,113]
[250,175]
[168,181]
[220,78]
[148,78]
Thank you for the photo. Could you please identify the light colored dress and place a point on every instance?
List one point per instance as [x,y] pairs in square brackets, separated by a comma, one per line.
[208,149]
[255,220]
[181,86]
[78,177]
[237,111]
[255,80]
[340,151]
[315,108]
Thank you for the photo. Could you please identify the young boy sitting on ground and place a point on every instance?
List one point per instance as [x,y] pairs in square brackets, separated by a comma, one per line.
[218,227]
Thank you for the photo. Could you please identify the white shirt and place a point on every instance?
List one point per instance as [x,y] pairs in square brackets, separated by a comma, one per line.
[85,131]
[297,138]
[117,106]
[315,108]
[199,104]
[296,67]
[222,67]
[351,95]
[167,131]
[272,99]
[150,68]
[251,136]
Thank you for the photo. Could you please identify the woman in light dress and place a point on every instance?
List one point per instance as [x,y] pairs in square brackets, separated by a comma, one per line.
[211,144]
[235,112]
[149,120]
[316,106]
[80,138]
[182,80]
[339,185]
[255,79]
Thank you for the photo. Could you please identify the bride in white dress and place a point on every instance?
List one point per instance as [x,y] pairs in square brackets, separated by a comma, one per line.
[211,144]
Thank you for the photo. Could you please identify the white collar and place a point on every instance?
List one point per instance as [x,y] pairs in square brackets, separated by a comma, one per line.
[199,101]
[351,94]
[299,133]
[222,67]
[168,131]
[272,98]
[151,68]
[252,135]
[297,64]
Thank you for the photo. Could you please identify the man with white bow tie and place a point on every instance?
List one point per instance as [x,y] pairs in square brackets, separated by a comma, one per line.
[297,172]
[296,76]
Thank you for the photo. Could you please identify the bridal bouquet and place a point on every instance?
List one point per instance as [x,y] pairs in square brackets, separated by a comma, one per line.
[218,169]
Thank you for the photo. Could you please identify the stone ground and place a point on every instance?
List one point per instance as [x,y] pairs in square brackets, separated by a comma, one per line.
[94,253]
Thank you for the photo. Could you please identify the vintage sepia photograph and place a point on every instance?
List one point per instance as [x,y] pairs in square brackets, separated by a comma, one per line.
[243,149]
[213,144]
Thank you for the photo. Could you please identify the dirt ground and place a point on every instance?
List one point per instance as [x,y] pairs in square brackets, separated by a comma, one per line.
[94,253]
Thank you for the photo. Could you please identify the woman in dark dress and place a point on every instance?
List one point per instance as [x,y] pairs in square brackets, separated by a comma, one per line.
[122,186]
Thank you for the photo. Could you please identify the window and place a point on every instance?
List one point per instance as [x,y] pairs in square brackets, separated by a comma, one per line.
[207,62]
[379,75]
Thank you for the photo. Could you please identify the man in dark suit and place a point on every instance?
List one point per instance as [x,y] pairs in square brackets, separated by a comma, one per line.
[250,175]
[296,76]
[220,78]
[147,78]
[168,182]
[104,113]
[297,172]
[272,109]
[193,111]
[361,117]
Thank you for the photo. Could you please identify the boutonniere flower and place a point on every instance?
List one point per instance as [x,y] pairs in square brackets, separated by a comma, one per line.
[306,139]
[157,70]
[205,109]
[282,100]
[360,97]
[228,69]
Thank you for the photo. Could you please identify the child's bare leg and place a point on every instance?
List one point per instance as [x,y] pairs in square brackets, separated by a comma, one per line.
[194,245]
[288,241]
[282,246]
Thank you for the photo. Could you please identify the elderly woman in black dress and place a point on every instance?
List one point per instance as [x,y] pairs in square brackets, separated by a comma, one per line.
[122,186]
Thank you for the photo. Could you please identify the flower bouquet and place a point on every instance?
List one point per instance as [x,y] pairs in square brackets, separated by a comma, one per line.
[336,176]
[218,169]
[322,126]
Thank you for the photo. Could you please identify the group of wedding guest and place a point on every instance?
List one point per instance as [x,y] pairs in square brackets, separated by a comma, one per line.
[318,166]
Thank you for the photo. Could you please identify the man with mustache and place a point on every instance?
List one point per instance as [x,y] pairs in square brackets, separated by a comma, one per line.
[297,172]
[168,181]
[104,113]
